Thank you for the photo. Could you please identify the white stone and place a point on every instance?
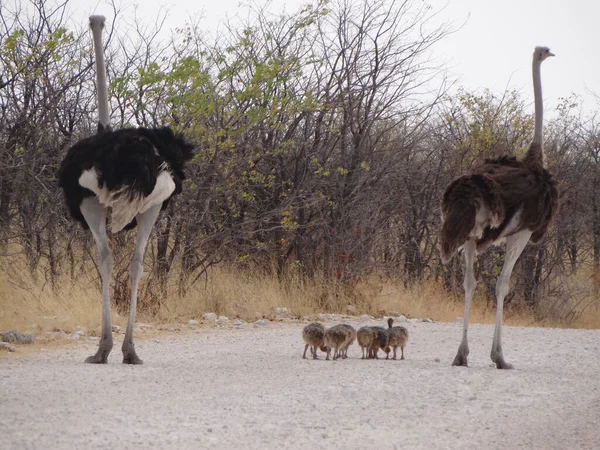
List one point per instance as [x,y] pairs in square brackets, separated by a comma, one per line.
[281,311]
[223,319]
[401,318]
[427,320]
[211,317]
[117,328]
[351,309]
[193,322]
[261,323]
[365,318]
[6,346]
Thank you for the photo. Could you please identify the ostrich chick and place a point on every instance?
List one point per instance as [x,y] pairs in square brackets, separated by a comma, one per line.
[313,337]
[335,338]
[364,337]
[398,337]
[351,336]
[380,341]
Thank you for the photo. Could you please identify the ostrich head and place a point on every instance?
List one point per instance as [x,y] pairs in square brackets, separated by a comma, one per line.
[541,53]
[97,21]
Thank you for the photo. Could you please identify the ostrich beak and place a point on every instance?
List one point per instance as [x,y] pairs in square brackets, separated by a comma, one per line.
[551,54]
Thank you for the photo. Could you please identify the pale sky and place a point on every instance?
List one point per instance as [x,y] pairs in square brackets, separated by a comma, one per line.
[492,49]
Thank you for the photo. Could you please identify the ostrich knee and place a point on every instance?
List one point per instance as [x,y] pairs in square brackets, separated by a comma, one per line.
[136,271]
[502,287]
[469,283]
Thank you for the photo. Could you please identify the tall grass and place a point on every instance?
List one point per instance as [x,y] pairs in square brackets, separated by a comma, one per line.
[29,303]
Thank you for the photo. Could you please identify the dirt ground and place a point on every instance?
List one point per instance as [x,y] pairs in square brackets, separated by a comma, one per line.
[248,387]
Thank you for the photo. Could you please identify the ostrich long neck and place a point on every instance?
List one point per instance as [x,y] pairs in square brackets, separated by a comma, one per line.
[539,103]
[535,155]
[97,23]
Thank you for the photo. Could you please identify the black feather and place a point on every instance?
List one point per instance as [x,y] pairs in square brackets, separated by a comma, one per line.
[128,158]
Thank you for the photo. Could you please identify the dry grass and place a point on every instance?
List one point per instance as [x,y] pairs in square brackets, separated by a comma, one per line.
[31,305]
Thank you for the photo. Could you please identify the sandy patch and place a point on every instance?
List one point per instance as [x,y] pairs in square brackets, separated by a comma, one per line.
[250,388]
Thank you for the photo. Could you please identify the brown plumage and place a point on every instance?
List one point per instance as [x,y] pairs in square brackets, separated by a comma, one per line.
[350,337]
[397,337]
[364,337]
[335,338]
[380,341]
[313,334]
[501,197]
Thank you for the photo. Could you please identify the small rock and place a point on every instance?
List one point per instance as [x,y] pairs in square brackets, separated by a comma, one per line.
[75,336]
[193,322]
[281,311]
[15,337]
[393,314]
[144,326]
[211,317]
[351,309]
[437,359]
[156,341]
[427,320]
[414,320]
[223,319]
[7,347]
[93,338]
[401,318]
[238,322]
[329,317]
[365,318]
[117,328]
[261,323]
[56,334]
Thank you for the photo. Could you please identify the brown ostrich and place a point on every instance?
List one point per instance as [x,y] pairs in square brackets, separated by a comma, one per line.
[502,200]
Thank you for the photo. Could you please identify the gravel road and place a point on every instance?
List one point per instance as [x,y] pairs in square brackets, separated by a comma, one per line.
[248,387]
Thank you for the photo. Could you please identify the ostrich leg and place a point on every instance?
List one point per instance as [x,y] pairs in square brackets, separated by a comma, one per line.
[469,285]
[514,247]
[145,222]
[95,216]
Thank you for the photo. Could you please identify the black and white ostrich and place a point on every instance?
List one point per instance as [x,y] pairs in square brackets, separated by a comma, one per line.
[502,200]
[133,172]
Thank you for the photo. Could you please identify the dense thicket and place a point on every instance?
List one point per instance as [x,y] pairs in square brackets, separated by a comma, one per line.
[324,141]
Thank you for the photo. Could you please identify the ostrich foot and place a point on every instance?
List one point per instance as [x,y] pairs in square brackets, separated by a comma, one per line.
[131,358]
[498,359]
[129,355]
[101,356]
[461,356]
